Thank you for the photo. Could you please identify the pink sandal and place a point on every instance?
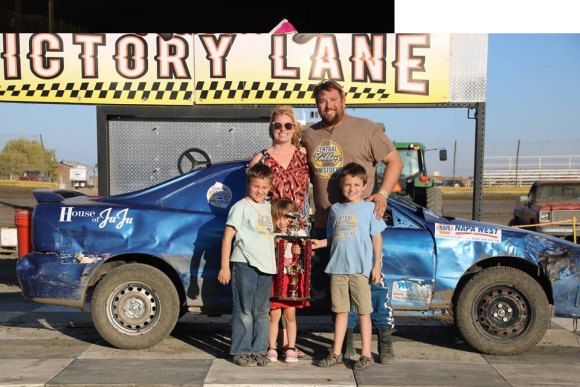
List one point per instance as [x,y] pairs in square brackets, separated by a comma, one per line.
[291,355]
[299,353]
[272,355]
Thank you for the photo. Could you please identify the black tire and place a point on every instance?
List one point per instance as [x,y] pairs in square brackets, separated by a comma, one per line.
[435,200]
[513,222]
[135,306]
[502,311]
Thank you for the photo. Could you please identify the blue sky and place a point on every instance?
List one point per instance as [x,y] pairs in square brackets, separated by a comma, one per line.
[533,93]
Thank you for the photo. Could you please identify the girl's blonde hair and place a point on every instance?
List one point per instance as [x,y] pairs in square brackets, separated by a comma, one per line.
[280,208]
[288,111]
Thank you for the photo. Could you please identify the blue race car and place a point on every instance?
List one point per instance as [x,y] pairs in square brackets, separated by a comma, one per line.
[139,260]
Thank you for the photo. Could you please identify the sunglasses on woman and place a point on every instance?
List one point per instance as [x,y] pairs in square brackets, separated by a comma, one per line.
[278,125]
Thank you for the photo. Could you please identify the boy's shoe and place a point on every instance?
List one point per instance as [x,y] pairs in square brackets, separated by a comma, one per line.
[364,362]
[272,355]
[245,361]
[261,360]
[291,356]
[330,360]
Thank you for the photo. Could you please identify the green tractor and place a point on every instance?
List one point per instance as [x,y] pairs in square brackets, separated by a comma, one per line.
[415,183]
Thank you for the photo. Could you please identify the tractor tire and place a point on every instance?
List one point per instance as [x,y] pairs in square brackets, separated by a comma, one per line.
[434,200]
[135,306]
[502,311]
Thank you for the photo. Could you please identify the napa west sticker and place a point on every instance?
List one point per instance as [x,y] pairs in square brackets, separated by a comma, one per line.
[219,195]
[470,233]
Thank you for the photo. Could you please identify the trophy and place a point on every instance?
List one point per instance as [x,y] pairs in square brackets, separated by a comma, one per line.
[292,281]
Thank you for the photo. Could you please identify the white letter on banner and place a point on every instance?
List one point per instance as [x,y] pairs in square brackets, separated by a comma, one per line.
[369,64]
[131,56]
[217,50]
[41,65]
[171,56]
[406,64]
[326,59]
[11,57]
[89,46]
[278,59]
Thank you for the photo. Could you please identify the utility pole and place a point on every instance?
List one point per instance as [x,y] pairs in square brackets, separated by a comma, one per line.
[454,158]
[517,162]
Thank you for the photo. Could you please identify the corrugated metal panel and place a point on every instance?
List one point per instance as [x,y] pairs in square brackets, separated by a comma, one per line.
[468,67]
[145,152]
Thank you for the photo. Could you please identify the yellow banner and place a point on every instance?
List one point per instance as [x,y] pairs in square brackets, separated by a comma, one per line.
[222,69]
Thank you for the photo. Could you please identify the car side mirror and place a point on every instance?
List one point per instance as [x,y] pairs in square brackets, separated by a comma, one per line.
[443,155]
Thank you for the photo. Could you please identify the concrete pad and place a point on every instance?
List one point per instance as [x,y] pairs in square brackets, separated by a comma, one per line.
[134,372]
[57,348]
[559,337]
[304,373]
[541,356]
[401,373]
[30,371]
[41,331]
[567,323]
[545,375]
[168,349]
[49,318]
[411,352]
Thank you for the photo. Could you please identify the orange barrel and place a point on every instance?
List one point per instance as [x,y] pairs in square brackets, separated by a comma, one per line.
[22,221]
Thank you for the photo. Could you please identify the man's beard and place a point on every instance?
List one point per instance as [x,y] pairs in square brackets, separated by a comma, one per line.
[336,118]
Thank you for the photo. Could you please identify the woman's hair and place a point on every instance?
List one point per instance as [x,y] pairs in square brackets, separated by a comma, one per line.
[288,111]
[280,208]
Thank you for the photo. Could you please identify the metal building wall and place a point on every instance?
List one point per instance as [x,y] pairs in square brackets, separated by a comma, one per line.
[140,147]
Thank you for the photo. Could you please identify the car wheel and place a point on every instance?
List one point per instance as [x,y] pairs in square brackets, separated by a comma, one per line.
[135,306]
[513,222]
[435,200]
[502,311]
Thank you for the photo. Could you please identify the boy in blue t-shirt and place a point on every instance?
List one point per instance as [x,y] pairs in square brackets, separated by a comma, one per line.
[252,261]
[355,261]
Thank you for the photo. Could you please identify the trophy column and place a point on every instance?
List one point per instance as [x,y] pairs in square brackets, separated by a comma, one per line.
[293,273]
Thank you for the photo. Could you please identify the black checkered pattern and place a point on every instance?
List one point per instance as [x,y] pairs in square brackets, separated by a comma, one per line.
[142,91]
[228,91]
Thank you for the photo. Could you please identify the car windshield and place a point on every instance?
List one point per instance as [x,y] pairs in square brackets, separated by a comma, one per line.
[559,192]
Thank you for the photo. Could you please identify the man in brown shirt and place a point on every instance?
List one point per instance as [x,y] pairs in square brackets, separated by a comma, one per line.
[339,139]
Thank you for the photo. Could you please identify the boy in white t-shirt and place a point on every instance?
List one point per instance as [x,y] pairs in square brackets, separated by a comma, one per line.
[251,258]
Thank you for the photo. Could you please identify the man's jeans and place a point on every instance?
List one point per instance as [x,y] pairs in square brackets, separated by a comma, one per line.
[251,305]
[382,314]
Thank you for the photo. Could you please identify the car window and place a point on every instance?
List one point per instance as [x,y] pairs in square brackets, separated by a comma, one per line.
[395,218]
[559,192]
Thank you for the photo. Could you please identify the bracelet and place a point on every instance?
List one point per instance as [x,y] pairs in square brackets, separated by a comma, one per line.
[384,193]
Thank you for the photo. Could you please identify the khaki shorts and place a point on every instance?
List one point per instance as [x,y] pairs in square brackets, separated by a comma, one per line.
[347,288]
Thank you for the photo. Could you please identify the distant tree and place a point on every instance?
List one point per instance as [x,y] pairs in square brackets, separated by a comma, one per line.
[22,155]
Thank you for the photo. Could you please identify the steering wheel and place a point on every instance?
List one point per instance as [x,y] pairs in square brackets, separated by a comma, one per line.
[191,159]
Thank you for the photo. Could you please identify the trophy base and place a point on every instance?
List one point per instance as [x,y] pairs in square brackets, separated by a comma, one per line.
[277,298]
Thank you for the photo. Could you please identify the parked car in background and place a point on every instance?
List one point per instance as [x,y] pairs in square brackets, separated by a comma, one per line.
[138,260]
[550,207]
[33,176]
